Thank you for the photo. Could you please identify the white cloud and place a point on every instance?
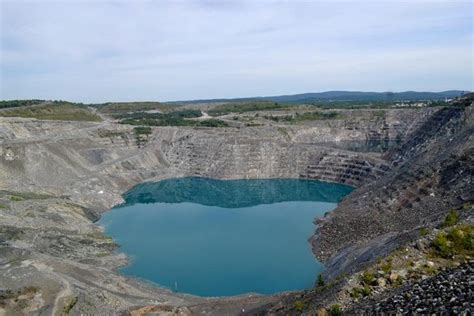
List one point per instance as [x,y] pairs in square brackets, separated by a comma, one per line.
[97,50]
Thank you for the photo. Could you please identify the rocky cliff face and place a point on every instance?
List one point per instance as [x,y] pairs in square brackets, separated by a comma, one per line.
[431,172]
[95,162]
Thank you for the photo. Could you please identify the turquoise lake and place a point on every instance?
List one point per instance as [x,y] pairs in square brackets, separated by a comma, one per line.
[222,237]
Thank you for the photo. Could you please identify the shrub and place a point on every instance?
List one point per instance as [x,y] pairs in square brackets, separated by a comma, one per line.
[320,280]
[355,292]
[386,266]
[368,278]
[299,305]
[424,231]
[462,238]
[366,290]
[335,310]
[451,219]
[458,240]
[441,244]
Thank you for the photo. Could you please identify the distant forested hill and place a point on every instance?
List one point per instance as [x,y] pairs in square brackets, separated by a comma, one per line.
[345,96]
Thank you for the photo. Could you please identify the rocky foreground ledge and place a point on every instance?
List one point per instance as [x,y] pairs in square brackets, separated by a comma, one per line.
[450,292]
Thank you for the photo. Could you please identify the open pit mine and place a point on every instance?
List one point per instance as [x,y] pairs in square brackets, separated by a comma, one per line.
[400,242]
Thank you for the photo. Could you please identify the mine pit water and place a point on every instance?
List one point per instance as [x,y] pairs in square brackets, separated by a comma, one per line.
[222,237]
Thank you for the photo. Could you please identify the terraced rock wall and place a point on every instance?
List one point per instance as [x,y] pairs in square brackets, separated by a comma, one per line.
[432,172]
[95,162]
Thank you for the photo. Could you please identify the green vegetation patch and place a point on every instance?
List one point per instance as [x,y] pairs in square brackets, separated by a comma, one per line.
[299,306]
[306,116]
[451,219]
[20,196]
[176,118]
[16,198]
[18,103]
[457,241]
[56,110]
[335,310]
[142,130]
[249,106]
[386,266]
[424,231]
[363,291]
[212,123]
[320,281]
[125,107]
[368,278]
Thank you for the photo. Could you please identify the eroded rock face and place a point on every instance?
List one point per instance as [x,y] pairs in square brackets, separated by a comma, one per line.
[432,172]
[94,163]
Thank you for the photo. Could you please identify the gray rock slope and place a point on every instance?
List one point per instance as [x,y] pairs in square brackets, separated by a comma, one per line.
[57,177]
[431,173]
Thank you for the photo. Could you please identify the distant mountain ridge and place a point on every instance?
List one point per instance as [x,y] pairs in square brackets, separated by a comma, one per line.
[342,96]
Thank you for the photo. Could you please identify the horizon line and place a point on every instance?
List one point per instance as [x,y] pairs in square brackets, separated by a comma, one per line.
[247,97]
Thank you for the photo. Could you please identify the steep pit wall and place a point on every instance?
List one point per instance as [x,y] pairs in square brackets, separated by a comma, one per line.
[364,130]
[432,173]
[94,163]
[234,155]
[96,171]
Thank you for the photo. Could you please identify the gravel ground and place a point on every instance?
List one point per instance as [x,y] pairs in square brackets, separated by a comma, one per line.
[448,293]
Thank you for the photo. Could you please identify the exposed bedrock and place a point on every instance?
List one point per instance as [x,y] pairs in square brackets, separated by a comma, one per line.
[236,156]
[94,163]
[432,172]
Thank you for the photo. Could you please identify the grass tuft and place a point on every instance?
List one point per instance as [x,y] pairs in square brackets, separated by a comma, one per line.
[299,305]
[335,310]
[451,219]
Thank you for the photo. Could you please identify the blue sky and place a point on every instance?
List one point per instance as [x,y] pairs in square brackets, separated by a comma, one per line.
[97,51]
